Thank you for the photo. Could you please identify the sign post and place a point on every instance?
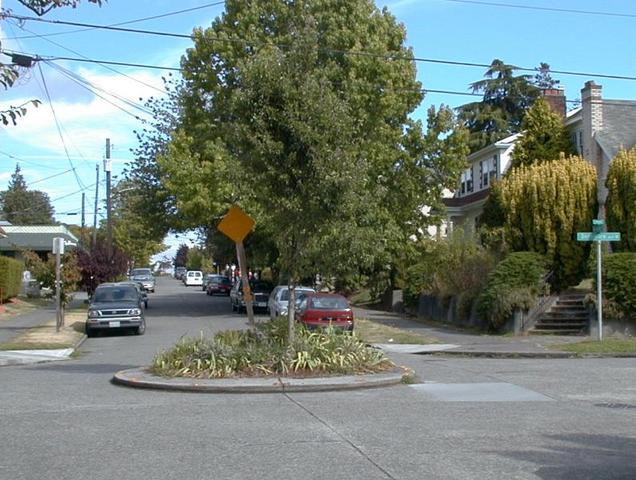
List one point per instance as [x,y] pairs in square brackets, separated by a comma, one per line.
[58,250]
[598,235]
[236,225]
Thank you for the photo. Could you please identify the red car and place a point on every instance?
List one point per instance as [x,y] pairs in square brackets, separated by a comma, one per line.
[218,284]
[325,309]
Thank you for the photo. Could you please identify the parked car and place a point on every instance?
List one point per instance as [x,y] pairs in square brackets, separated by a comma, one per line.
[218,284]
[143,294]
[325,309]
[146,280]
[115,306]
[260,291]
[279,299]
[179,272]
[193,277]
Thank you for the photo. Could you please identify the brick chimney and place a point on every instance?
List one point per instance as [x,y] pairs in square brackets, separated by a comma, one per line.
[556,99]
[592,115]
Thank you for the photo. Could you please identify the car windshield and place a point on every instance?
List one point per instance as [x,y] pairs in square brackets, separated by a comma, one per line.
[116,294]
[261,287]
[141,271]
[284,296]
[141,277]
[329,303]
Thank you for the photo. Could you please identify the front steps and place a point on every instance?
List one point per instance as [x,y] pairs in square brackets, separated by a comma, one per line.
[568,316]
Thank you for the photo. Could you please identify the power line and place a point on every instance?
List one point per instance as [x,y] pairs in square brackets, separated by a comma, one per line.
[57,124]
[128,22]
[28,162]
[49,177]
[121,64]
[85,57]
[546,9]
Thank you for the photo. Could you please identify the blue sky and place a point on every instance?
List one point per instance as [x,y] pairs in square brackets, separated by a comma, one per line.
[472,31]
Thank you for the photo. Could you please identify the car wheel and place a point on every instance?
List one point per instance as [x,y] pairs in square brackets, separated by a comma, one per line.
[90,332]
[146,304]
[141,329]
[233,307]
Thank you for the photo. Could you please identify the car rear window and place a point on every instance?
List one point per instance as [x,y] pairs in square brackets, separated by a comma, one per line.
[329,303]
[285,295]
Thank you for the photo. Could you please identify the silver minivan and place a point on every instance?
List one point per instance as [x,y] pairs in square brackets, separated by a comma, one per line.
[279,299]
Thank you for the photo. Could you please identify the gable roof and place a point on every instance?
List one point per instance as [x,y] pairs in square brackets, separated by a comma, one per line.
[33,237]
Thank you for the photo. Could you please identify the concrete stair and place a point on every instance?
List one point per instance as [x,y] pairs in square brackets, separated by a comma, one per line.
[568,316]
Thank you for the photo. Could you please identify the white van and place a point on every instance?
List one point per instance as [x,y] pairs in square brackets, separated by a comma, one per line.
[193,277]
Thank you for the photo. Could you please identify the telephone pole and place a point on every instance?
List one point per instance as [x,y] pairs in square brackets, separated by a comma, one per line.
[96,200]
[109,225]
[83,219]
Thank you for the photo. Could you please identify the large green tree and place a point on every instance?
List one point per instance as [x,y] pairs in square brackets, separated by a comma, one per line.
[621,199]
[313,136]
[505,99]
[542,207]
[22,206]
[544,138]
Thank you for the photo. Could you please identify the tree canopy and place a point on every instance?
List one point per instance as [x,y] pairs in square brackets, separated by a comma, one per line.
[621,199]
[22,206]
[506,97]
[544,137]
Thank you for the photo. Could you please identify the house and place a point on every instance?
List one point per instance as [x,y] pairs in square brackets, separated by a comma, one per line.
[38,238]
[599,128]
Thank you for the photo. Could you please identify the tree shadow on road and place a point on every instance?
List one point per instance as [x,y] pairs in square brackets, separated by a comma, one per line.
[579,456]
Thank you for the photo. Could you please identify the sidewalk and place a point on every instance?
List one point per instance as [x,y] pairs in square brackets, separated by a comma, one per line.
[458,342]
[38,327]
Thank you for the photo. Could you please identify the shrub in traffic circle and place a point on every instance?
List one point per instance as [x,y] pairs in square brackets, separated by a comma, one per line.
[264,351]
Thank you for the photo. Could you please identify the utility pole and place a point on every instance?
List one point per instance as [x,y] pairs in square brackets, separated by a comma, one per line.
[96,200]
[83,218]
[58,250]
[109,225]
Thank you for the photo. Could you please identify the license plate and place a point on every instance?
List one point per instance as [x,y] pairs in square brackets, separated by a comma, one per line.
[114,324]
[261,304]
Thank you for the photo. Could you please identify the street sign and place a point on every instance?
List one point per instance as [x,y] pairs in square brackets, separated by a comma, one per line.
[236,224]
[598,237]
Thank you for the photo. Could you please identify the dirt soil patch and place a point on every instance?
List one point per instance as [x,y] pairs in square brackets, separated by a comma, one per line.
[44,337]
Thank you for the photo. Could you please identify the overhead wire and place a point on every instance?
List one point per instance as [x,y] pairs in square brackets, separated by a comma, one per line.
[28,162]
[128,22]
[544,9]
[57,124]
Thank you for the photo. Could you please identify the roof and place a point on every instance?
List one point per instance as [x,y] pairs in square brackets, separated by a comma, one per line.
[619,126]
[466,199]
[502,144]
[34,237]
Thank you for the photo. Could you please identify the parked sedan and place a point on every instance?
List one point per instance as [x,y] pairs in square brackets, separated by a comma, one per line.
[218,284]
[147,280]
[325,309]
[115,306]
[279,299]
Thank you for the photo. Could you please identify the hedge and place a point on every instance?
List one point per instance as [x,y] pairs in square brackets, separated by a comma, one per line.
[619,281]
[10,277]
[516,282]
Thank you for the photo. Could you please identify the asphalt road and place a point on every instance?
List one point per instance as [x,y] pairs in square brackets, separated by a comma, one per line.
[468,419]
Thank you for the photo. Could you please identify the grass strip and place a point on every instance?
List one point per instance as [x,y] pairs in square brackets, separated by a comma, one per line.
[374,332]
[609,345]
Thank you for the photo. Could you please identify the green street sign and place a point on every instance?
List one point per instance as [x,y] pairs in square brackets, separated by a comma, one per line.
[597,226]
[598,237]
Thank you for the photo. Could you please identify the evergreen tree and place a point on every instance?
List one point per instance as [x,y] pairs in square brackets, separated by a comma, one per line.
[506,97]
[21,206]
[544,137]
[621,199]
[543,206]
[181,257]
[543,79]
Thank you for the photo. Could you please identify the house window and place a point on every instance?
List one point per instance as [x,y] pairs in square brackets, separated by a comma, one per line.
[481,175]
[485,172]
[493,168]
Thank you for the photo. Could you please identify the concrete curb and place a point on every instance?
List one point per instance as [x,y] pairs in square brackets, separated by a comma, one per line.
[525,355]
[6,360]
[140,378]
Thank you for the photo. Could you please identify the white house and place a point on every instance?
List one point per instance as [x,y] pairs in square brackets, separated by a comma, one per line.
[599,129]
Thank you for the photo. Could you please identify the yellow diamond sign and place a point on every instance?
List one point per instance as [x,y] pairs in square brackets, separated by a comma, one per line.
[236,224]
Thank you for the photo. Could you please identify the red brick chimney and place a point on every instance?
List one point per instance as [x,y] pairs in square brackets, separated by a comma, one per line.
[556,99]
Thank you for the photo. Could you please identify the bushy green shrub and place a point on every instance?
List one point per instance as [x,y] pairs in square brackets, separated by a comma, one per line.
[619,281]
[10,277]
[515,282]
[453,267]
[264,351]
